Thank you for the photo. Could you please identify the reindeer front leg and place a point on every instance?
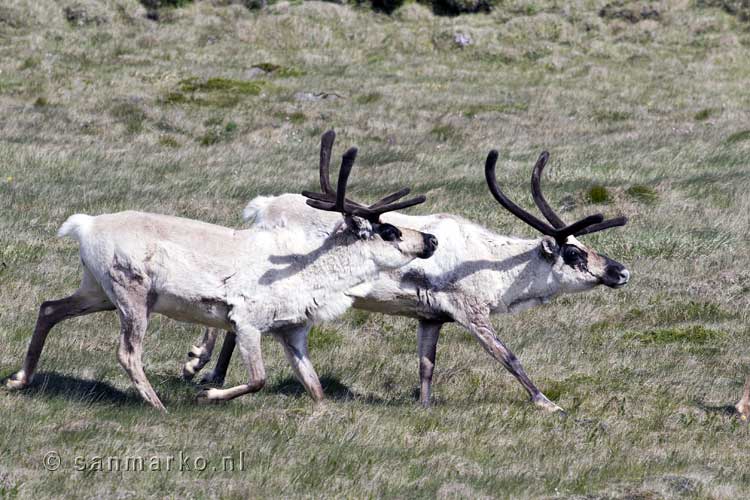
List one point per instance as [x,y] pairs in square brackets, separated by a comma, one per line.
[294,342]
[481,327]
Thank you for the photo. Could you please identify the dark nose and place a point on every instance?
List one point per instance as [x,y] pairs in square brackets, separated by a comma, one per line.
[616,275]
[430,245]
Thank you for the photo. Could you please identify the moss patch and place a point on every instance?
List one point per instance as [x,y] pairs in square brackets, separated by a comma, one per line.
[598,194]
[697,335]
[217,92]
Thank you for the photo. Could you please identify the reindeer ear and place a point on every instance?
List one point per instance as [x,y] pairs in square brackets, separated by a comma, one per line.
[549,247]
[359,226]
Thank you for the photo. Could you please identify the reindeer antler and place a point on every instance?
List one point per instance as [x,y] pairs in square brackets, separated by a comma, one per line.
[337,201]
[549,213]
[558,230]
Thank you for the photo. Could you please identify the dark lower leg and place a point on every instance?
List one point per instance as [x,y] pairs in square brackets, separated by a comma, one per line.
[219,372]
[428,333]
[485,333]
[51,313]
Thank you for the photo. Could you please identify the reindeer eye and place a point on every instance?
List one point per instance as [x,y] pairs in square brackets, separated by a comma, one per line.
[389,232]
[572,255]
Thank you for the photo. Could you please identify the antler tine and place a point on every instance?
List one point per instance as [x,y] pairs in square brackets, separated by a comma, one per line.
[373,215]
[347,162]
[614,222]
[536,192]
[326,146]
[489,173]
[560,232]
[336,201]
[390,198]
[578,226]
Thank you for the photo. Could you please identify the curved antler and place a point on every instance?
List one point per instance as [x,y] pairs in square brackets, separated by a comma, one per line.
[560,231]
[549,213]
[337,201]
[326,146]
[489,174]
[536,192]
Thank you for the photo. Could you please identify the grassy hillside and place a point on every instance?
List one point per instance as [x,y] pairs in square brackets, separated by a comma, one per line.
[645,110]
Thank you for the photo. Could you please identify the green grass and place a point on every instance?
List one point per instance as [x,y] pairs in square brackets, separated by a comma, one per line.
[692,335]
[168,117]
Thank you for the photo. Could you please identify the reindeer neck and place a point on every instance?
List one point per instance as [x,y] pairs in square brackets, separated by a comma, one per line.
[529,280]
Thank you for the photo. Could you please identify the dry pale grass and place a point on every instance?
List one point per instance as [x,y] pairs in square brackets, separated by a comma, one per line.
[122,112]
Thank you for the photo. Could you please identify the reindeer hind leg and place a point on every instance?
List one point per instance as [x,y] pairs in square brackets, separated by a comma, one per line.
[200,354]
[88,299]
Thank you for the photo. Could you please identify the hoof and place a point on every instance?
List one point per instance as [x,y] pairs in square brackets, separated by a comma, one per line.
[188,372]
[743,412]
[548,406]
[208,396]
[17,381]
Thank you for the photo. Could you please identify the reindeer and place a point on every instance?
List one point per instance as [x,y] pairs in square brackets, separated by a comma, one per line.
[475,273]
[742,407]
[251,282]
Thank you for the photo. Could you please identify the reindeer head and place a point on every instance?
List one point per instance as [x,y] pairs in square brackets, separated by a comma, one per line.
[389,246]
[574,266]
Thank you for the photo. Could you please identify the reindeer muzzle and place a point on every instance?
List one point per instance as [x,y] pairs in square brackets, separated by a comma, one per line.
[430,245]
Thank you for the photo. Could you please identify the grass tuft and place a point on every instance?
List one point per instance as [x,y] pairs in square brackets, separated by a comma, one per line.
[369,98]
[611,116]
[278,70]
[704,114]
[217,135]
[740,136]
[131,115]
[221,85]
[598,194]
[643,193]
[169,141]
[445,133]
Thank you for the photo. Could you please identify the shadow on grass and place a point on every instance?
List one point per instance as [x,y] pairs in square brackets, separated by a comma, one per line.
[51,385]
[333,389]
[728,410]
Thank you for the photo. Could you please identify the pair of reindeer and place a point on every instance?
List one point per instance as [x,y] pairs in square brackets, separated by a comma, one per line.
[301,262]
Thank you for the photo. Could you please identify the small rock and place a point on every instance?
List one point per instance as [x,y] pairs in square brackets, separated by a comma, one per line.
[254,72]
[462,39]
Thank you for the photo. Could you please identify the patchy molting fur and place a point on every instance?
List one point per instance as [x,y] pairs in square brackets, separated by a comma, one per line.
[501,272]
[262,280]
[473,274]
